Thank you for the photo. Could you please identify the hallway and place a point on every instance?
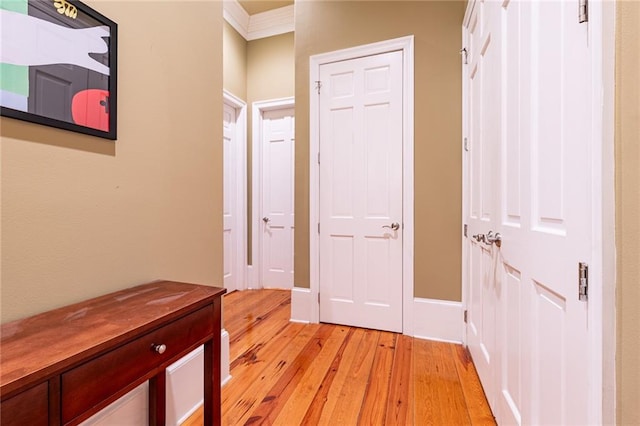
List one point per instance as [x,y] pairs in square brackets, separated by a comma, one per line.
[290,374]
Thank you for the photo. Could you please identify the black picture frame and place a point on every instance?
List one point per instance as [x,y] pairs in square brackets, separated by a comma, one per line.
[70,81]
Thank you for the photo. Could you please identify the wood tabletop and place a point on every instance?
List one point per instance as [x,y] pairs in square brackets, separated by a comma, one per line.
[34,348]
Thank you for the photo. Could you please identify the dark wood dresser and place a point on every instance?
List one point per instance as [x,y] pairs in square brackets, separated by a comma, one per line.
[62,366]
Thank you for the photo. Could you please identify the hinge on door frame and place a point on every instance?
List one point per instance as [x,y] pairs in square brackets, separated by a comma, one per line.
[465,230]
[465,316]
[318,298]
[318,227]
[318,85]
[464,54]
[583,282]
[583,11]
[318,157]
[465,144]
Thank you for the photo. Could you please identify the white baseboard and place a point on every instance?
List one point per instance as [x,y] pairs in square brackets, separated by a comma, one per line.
[225,375]
[437,320]
[301,305]
[252,279]
[432,319]
[184,397]
[130,410]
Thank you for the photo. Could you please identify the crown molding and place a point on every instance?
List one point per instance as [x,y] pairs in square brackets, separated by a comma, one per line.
[272,22]
[236,16]
[260,25]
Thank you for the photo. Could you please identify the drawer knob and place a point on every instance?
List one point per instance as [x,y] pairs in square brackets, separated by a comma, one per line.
[159,348]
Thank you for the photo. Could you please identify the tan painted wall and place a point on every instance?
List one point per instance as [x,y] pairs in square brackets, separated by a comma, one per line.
[628,211]
[270,75]
[271,67]
[327,26]
[83,216]
[234,63]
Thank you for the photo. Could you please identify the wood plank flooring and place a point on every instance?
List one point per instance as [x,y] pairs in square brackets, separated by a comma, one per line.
[285,373]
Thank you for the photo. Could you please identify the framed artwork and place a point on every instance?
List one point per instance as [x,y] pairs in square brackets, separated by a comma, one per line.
[58,65]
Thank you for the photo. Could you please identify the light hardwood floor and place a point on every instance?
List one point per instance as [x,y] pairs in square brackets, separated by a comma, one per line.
[285,373]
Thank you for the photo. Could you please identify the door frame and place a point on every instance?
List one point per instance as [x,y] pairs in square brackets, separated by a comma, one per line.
[406,45]
[601,315]
[258,109]
[241,185]
[464,161]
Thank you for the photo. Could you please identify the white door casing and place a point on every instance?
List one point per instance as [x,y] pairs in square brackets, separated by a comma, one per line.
[273,157]
[361,196]
[528,115]
[234,192]
[405,45]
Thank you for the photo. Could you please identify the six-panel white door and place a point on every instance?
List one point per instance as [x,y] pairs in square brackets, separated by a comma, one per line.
[482,187]
[277,198]
[229,194]
[528,160]
[361,192]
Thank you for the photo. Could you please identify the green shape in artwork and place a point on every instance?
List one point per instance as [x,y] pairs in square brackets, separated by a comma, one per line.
[15,78]
[20,6]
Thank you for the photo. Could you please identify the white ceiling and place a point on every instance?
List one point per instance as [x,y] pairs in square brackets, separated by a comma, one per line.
[253,7]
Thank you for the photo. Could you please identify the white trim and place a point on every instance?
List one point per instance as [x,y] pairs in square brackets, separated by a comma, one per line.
[261,25]
[188,358]
[225,374]
[301,305]
[271,23]
[608,279]
[241,186]
[406,45]
[601,308]
[132,408]
[439,320]
[186,371]
[258,108]
[236,16]
[189,413]
[465,168]
[252,272]
[182,398]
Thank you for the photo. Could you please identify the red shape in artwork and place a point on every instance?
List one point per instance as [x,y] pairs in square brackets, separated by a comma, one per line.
[90,108]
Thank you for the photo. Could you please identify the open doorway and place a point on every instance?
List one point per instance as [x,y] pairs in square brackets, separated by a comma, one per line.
[258,61]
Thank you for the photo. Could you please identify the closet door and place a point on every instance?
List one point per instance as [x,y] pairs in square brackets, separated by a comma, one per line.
[528,179]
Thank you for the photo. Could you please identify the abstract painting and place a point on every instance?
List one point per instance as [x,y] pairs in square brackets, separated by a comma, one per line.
[58,65]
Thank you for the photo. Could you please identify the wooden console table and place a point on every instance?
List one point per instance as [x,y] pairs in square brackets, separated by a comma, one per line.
[62,366]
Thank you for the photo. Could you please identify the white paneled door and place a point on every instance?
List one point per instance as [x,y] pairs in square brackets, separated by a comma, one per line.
[361,192]
[230,192]
[277,138]
[527,155]
[482,184]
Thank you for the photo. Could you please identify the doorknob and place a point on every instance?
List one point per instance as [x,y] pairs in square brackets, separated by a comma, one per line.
[494,239]
[489,238]
[480,238]
[395,226]
[266,219]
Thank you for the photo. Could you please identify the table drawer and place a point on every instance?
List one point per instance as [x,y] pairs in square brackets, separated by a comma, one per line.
[91,383]
[30,407]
